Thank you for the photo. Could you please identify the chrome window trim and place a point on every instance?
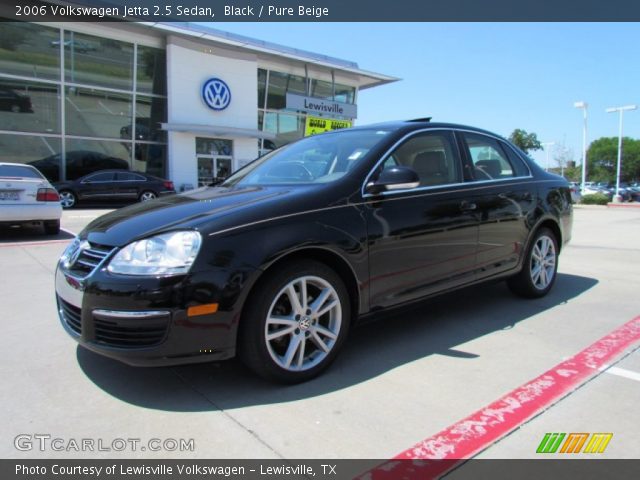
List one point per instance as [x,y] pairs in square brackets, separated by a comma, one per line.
[432,187]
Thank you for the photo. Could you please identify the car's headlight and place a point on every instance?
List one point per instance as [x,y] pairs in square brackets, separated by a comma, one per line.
[166,254]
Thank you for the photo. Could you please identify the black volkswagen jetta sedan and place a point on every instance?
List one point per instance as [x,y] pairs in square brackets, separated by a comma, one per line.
[278,261]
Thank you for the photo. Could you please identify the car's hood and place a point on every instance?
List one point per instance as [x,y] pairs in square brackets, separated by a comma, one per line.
[206,209]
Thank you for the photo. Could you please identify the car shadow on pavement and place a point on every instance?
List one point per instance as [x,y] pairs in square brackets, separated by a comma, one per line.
[431,327]
[29,233]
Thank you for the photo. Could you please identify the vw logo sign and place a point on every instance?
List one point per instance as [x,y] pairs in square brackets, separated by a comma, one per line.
[216,94]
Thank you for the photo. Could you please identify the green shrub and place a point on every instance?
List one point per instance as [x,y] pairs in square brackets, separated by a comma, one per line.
[595,199]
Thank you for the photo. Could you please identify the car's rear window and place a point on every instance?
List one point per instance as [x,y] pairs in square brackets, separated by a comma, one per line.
[15,171]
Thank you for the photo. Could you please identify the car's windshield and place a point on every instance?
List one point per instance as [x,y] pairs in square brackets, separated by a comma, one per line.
[318,159]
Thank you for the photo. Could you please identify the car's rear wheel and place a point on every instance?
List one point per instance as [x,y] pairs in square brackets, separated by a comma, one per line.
[52,227]
[540,267]
[67,199]
[295,322]
[147,195]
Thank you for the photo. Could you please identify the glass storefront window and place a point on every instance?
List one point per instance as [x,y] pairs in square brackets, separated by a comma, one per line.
[98,61]
[279,85]
[321,89]
[262,87]
[345,94]
[29,50]
[29,106]
[38,151]
[150,158]
[150,113]
[214,146]
[97,113]
[287,127]
[86,156]
[152,71]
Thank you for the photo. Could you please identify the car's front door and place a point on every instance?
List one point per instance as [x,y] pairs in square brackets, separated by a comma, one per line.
[421,240]
[98,186]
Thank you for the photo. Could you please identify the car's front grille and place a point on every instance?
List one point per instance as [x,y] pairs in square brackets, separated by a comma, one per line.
[90,256]
[129,332]
[70,315]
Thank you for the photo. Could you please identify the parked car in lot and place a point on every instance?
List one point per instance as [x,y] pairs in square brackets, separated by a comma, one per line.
[12,101]
[27,198]
[113,186]
[276,263]
[79,163]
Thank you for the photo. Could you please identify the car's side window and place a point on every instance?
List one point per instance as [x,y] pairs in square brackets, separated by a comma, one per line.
[99,177]
[432,155]
[489,160]
[522,170]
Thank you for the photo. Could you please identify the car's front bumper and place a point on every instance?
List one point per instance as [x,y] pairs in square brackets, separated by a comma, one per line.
[143,321]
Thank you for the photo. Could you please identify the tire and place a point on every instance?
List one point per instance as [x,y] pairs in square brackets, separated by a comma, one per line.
[147,195]
[292,344]
[540,267]
[68,199]
[52,227]
[16,108]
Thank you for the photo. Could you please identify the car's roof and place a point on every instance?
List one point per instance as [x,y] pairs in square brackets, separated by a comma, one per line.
[424,123]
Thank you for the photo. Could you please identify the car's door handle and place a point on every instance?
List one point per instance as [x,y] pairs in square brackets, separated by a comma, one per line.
[467,206]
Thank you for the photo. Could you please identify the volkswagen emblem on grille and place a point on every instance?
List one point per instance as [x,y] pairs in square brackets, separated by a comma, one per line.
[216,94]
[75,254]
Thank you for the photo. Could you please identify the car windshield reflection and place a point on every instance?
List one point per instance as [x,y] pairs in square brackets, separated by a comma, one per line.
[313,160]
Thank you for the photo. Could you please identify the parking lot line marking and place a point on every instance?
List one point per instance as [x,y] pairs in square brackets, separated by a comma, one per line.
[35,244]
[447,449]
[623,372]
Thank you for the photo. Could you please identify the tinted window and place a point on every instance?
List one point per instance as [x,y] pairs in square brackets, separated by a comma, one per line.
[489,160]
[100,177]
[432,155]
[521,169]
[18,171]
[129,177]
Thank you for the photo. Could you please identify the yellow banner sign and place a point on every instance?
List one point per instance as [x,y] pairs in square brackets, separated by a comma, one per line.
[315,125]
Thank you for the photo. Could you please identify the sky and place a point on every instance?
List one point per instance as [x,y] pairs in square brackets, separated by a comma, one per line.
[496,76]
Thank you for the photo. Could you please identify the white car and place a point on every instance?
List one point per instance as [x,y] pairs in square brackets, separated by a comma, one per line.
[27,197]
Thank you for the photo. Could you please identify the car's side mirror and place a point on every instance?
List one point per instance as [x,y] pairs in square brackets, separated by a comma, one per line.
[394,178]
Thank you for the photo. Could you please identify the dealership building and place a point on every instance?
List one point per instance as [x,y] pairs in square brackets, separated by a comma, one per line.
[180,101]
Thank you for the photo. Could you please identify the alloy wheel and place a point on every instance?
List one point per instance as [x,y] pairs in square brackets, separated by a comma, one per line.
[303,323]
[543,262]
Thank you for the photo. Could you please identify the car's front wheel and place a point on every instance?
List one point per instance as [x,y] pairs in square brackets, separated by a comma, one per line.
[295,322]
[540,267]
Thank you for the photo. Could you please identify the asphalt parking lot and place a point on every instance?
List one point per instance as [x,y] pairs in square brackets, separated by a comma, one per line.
[397,381]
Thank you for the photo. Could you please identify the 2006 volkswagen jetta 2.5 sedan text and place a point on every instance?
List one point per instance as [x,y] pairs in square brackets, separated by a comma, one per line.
[276,263]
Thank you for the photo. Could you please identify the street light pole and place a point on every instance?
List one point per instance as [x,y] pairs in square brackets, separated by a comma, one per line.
[621,110]
[583,106]
[545,145]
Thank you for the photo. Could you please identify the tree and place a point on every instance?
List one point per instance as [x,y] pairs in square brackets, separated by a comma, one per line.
[525,141]
[563,155]
[602,159]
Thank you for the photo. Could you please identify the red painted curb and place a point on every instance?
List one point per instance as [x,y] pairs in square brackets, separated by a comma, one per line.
[623,205]
[440,453]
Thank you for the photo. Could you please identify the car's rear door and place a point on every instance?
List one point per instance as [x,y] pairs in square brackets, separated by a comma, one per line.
[129,185]
[505,196]
[421,240]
